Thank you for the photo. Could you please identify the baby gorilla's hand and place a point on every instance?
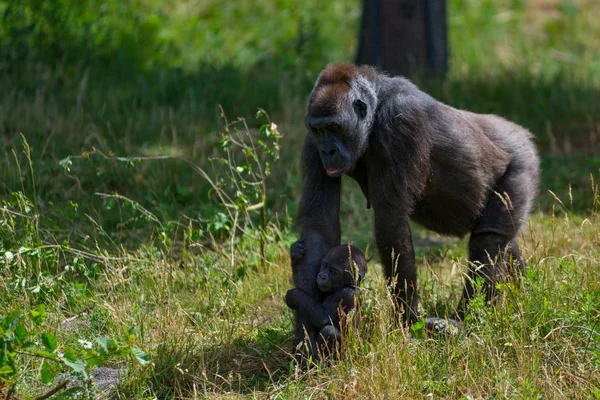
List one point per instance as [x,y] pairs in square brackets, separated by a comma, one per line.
[291,298]
[297,251]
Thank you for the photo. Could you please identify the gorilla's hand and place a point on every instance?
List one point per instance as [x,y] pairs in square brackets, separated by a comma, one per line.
[297,251]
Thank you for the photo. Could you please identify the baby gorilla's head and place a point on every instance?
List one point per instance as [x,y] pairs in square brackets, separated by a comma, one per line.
[343,266]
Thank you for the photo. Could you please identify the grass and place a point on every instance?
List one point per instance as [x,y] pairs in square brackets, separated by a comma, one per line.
[141,248]
[215,323]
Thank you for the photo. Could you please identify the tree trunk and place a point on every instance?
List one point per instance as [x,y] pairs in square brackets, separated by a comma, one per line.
[404,37]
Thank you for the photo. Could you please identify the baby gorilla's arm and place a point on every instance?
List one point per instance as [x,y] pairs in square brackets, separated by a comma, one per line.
[342,298]
[321,315]
[298,300]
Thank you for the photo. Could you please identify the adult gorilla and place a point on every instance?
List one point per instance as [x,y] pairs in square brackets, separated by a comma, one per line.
[452,171]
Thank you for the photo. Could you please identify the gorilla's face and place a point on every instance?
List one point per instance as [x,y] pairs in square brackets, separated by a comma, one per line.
[336,156]
[342,266]
[340,113]
[341,138]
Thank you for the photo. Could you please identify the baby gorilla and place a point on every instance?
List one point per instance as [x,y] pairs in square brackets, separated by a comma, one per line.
[342,270]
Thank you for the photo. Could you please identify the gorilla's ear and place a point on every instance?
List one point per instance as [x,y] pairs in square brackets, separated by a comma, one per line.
[360,108]
[361,263]
[362,271]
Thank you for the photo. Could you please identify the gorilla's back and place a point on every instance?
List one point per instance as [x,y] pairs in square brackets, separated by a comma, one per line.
[465,163]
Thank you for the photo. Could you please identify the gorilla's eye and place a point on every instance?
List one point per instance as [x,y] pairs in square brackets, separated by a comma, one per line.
[334,128]
[360,108]
[320,133]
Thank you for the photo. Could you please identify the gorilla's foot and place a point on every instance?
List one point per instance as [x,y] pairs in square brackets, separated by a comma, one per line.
[442,326]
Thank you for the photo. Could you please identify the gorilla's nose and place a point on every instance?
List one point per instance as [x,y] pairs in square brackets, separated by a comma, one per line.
[329,150]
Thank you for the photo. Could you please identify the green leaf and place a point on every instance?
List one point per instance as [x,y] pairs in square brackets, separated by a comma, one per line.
[20,334]
[70,355]
[38,316]
[94,360]
[131,332]
[104,343]
[28,344]
[47,374]
[76,366]
[417,330]
[6,370]
[141,356]
[49,341]
[45,354]
[10,320]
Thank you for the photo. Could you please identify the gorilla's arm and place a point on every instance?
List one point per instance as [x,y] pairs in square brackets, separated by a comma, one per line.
[342,298]
[321,315]
[318,216]
[306,306]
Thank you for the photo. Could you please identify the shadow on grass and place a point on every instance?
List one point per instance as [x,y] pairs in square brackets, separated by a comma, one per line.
[245,365]
[65,110]
[68,110]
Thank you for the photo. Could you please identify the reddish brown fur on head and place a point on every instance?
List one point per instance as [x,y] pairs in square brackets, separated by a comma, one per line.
[338,73]
[332,86]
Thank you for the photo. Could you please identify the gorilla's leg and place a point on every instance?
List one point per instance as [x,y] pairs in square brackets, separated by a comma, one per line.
[298,331]
[487,254]
[329,341]
[492,245]
[393,237]
[514,259]
[305,347]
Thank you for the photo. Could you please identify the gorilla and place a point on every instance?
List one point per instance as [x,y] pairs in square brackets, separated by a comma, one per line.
[341,271]
[449,170]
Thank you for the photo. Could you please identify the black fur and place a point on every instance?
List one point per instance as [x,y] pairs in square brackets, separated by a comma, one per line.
[450,170]
[341,271]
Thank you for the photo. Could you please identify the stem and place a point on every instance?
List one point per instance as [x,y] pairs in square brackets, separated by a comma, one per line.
[232,243]
[27,151]
[262,235]
[26,353]
[56,389]
[10,392]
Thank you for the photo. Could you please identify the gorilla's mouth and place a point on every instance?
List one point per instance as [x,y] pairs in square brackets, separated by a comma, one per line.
[335,172]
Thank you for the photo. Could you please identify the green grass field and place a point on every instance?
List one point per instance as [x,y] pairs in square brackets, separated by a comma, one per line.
[133,168]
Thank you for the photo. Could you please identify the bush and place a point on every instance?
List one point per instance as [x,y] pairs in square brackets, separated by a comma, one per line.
[78,31]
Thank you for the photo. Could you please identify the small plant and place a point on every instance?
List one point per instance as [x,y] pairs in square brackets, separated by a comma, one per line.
[25,340]
[237,178]
[240,175]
